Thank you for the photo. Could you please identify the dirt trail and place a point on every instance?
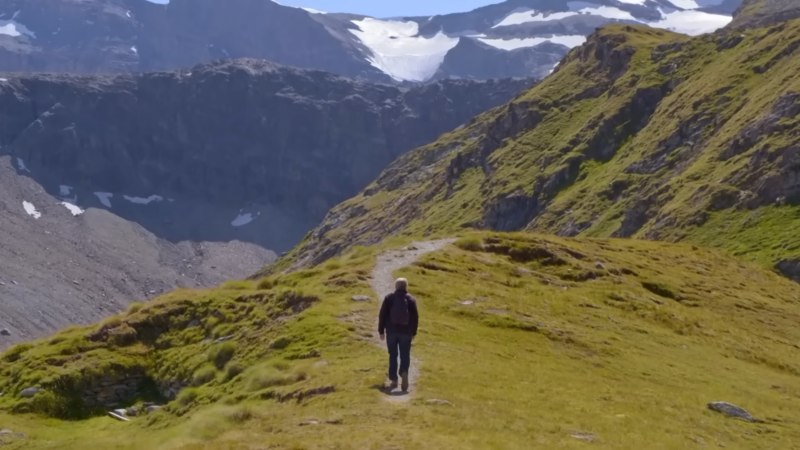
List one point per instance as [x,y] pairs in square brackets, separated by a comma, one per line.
[382,283]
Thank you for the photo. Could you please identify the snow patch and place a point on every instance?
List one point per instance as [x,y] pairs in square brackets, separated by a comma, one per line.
[692,22]
[513,44]
[519,17]
[22,166]
[685,4]
[64,190]
[31,210]
[314,11]
[128,13]
[3,79]
[105,198]
[143,201]
[74,209]
[399,52]
[14,29]
[133,49]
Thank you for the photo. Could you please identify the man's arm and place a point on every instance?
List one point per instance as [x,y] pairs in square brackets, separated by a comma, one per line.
[383,315]
[413,314]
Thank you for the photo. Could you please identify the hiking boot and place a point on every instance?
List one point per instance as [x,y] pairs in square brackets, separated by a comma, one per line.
[404,377]
[393,385]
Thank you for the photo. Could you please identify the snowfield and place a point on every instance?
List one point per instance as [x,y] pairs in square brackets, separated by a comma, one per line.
[513,44]
[399,52]
[397,49]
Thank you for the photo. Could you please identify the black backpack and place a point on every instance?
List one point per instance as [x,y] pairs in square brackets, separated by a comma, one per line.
[399,312]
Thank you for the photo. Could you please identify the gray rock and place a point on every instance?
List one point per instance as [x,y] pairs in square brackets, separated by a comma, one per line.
[132,411]
[5,332]
[6,431]
[121,412]
[361,298]
[598,265]
[29,392]
[732,411]
[152,408]
[437,401]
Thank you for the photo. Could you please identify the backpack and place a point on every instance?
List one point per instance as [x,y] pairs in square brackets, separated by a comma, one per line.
[399,312]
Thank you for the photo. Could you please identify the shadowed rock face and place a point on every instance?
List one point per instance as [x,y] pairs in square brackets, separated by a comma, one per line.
[102,36]
[476,60]
[187,178]
[230,133]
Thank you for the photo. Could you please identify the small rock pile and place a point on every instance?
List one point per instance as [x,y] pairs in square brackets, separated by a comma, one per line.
[111,391]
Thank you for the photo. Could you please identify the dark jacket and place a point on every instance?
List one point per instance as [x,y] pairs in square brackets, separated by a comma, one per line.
[386,325]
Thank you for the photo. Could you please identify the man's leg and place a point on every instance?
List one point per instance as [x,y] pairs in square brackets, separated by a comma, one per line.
[392,344]
[405,358]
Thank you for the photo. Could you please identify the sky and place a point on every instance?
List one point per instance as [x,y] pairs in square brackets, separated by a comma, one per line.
[386,8]
[391,8]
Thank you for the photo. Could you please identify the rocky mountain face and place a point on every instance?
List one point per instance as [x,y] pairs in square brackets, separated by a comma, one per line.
[639,133]
[761,13]
[127,186]
[500,40]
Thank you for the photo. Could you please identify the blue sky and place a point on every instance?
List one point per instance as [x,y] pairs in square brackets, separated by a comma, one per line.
[386,8]
[391,8]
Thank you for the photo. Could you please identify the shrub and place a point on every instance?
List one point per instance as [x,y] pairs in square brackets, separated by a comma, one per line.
[276,373]
[187,396]
[266,284]
[220,354]
[240,415]
[233,370]
[659,289]
[203,375]
[16,352]
[332,265]
[471,244]
[133,308]
[237,285]
[123,335]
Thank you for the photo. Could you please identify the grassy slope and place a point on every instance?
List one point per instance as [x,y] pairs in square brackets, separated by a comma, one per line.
[552,346]
[632,136]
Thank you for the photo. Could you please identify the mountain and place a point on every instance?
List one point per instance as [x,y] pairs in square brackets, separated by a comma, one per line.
[496,41]
[639,133]
[169,166]
[599,333]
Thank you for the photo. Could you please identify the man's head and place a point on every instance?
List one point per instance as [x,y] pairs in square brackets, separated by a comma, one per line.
[401,284]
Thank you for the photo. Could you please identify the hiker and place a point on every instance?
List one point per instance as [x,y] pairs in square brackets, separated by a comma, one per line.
[397,325]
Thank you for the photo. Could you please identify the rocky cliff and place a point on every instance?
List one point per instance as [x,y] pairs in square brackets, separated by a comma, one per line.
[117,188]
[638,133]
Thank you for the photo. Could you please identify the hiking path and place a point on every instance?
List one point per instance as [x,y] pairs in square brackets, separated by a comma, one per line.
[382,283]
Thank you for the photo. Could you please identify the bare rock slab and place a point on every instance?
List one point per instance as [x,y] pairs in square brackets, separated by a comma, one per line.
[734,411]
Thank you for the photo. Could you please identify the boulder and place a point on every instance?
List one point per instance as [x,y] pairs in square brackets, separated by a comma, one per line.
[29,392]
[732,411]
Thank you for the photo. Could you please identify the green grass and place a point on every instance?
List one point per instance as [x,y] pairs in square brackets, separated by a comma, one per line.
[634,135]
[531,339]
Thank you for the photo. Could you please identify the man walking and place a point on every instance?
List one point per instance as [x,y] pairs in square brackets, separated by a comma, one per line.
[397,325]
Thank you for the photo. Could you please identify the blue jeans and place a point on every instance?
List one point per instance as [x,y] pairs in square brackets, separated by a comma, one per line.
[399,345]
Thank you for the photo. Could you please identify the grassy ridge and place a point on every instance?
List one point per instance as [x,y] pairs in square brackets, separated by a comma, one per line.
[619,341]
[639,133]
